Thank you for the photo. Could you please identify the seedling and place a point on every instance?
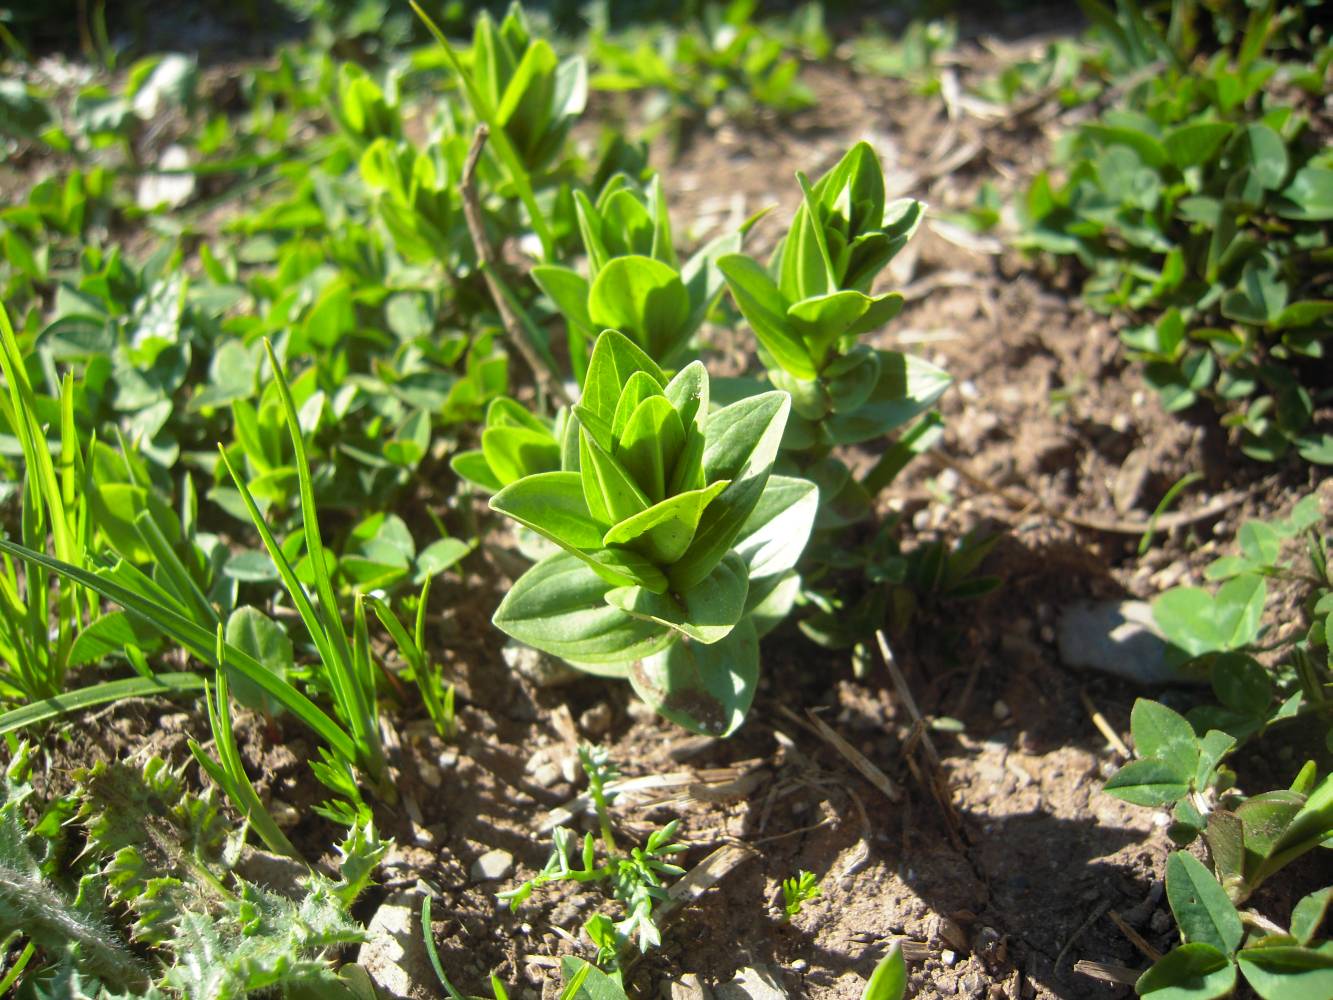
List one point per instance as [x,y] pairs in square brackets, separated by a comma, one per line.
[798,890]
[889,980]
[635,878]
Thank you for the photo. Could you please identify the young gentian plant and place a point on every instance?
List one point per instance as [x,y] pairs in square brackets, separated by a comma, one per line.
[678,542]
[811,304]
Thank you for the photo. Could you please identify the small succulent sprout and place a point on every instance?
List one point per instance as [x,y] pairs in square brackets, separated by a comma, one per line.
[665,522]
[514,444]
[535,97]
[635,284]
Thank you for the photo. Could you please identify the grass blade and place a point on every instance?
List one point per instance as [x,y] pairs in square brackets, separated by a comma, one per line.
[98,694]
[199,641]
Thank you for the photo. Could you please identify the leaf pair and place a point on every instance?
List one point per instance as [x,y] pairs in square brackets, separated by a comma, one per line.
[635,282]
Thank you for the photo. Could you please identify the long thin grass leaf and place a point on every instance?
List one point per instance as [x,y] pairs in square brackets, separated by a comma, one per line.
[98,694]
[170,563]
[199,641]
[358,689]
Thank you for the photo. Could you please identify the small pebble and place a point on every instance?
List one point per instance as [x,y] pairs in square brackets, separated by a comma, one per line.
[430,774]
[596,720]
[492,865]
[800,965]
[948,957]
[285,815]
[1000,710]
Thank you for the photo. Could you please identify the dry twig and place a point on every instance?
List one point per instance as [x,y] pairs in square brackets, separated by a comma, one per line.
[1104,727]
[488,262]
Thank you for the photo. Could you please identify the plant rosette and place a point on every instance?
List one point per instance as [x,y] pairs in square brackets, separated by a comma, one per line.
[678,544]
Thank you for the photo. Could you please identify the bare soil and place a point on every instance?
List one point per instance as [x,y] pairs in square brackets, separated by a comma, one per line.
[1004,865]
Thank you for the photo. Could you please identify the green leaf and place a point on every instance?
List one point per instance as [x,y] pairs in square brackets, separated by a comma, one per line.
[1286,972]
[512,453]
[1239,610]
[704,688]
[907,387]
[611,494]
[1149,149]
[569,291]
[1309,196]
[775,534]
[1266,152]
[1164,734]
[587,981]
[559,606]
[1308,914]
[1311,826]
[652,439]
[553,505]
[614,359]
[664,531]
[473,467]
[1260,542]
[1190,145]
[765,309]
[644,299]
[706,612]
[1191,972]
[742,444]
[109,635]
[159,685]
[253,632]
[1151,782]
[1200,905]
[889,980]
[822,320]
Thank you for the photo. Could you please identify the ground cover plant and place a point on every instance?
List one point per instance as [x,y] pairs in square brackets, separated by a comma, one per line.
[607,501]
[1198,205]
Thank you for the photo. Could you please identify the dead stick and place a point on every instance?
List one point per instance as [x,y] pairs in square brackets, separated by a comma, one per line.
[1104,727]
[905,693]
[486,256]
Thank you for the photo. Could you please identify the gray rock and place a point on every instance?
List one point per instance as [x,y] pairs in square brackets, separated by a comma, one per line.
[394,953]
[492,866]
[752,983]
[688,987]
[1117,637]
[536,667]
